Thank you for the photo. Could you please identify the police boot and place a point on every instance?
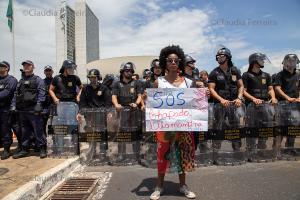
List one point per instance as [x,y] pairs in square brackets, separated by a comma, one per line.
[5,154]
[43,152]
[23,153]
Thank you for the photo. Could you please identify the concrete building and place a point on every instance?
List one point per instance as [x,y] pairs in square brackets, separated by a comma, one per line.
[112,65]
[65,34]
[86,37]
[77,35]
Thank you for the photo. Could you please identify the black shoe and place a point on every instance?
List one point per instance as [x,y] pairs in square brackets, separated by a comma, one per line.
[18,149]
[21,154]
[294,152]
[43,152]
[5,154]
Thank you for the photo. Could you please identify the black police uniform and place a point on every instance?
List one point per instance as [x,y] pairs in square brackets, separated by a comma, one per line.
[66,87]
[8,86]
[226,85]
[127,93]
[290,85]
[98,97]
[95,97]
[257,85]
[29,98]
[226,82]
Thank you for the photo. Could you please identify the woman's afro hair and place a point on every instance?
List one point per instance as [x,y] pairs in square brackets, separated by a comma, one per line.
[172,49]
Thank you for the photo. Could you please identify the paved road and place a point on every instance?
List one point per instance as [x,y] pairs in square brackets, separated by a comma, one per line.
[259,181]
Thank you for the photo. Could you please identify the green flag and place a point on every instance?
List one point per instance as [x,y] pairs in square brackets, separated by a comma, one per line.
[9,15]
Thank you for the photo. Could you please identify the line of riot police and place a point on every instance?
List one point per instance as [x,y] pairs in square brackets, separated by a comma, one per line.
[248,115]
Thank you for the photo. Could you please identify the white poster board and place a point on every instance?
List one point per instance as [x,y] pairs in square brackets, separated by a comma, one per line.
[176,109]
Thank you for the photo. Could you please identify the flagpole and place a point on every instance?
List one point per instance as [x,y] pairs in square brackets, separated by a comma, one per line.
[13,40]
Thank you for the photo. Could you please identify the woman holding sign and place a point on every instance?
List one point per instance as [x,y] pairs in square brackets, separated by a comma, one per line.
[177,147]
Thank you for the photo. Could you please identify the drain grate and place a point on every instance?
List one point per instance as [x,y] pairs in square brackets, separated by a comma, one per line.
[75,189]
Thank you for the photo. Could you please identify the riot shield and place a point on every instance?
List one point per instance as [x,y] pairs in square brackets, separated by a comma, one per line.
[289,126]
[124,144]
[62,139]
[204,151]
[148,152]
[261,121]
[227,134]
[93,136]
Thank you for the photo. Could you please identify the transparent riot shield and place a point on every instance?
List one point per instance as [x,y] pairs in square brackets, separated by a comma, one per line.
[227,134]
[62,139]
[148,152]
[93,136]
[204,151]
[124,142]
[261,121]
[289,128]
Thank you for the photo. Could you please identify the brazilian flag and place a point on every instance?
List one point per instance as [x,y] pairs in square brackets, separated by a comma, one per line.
[9,15]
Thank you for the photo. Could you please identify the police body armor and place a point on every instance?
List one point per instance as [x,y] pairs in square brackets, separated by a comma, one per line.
[92,101]
[228,89]
[27,93]
[127,97]
[293,80]
[5,102]
[259,87]
[66,90]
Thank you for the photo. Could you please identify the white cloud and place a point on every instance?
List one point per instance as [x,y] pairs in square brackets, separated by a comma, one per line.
[128,27]
[34,35]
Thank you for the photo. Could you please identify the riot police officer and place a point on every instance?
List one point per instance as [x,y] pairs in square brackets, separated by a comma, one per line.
[287,88]
[127,94]
[226,86]
[28,100]
[95,94]
[258,84]
[8,86]
[156,71]
[225,81]
[258,89]
[66,86]
[146,75]
[190,69]
[48,71]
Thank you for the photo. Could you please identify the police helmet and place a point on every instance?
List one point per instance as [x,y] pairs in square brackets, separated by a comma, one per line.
[154,63]
[290,59]
[127,66]
[94,72]
[189,59]
[146,73]
[259,58]
[224,51]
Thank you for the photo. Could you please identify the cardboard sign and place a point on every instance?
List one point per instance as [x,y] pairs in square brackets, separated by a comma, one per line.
[176,109]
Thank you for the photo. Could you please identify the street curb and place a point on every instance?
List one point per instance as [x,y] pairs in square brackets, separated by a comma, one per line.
[41,184]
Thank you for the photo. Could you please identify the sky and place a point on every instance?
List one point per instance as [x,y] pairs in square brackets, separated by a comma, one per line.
[135,27]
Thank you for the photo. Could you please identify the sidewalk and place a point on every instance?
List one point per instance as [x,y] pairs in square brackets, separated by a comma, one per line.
[15,173]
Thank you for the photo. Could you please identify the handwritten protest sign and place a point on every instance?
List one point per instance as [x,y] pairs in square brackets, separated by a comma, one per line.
[176,109]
